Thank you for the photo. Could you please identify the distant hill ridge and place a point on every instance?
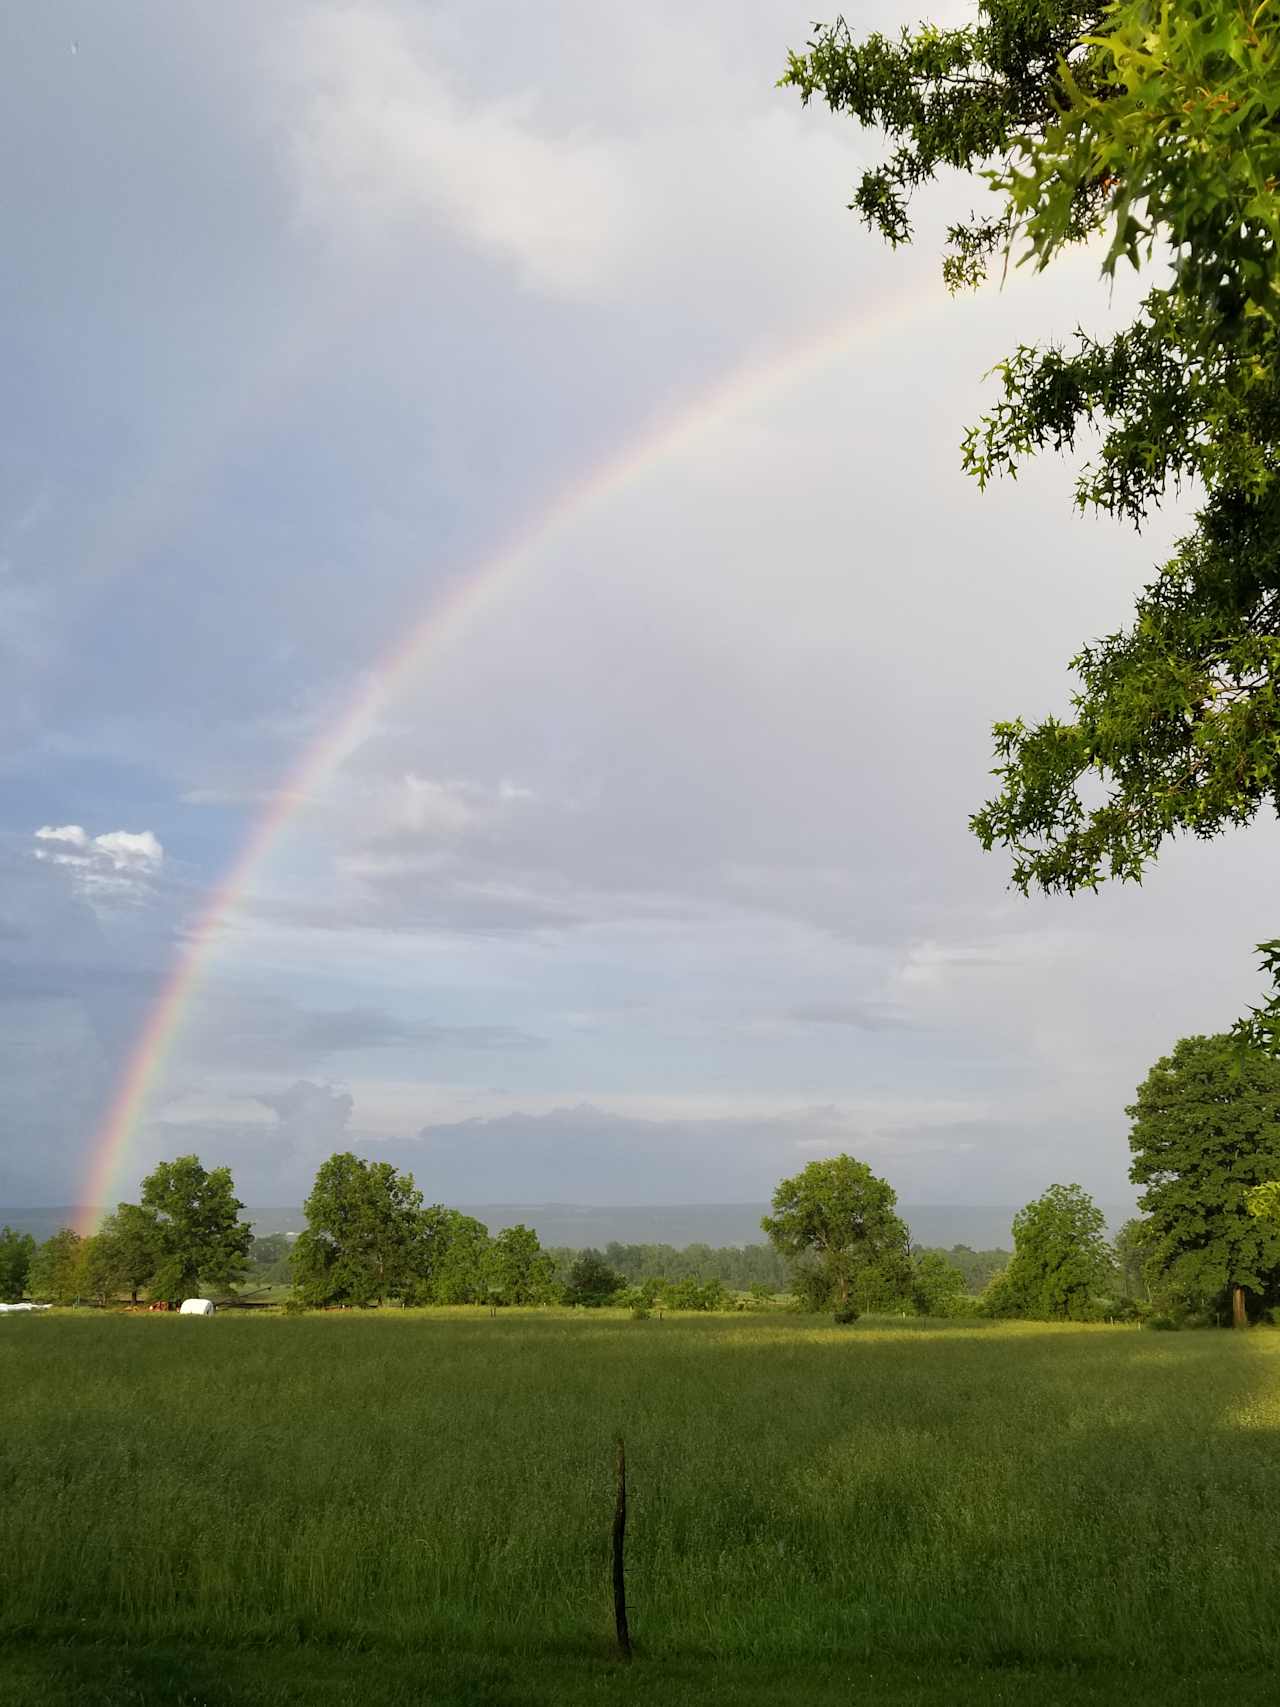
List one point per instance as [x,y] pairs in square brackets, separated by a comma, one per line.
[981,1226]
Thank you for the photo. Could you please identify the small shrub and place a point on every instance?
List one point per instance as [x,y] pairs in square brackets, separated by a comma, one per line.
[640,1312]
[691,1294]
[1095,1310]
[294,1307]
[592,1283]
[963,1305]
[1002,1298]
[844,1314]
[1163,1321]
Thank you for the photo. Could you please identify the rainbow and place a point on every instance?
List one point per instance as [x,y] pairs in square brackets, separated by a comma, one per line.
[447,621]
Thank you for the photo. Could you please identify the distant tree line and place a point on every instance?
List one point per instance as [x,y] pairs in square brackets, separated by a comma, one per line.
[977,1267]
[1204,1143]
[739,1267]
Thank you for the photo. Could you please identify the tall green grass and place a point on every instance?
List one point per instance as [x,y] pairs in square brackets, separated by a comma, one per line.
[998,1495]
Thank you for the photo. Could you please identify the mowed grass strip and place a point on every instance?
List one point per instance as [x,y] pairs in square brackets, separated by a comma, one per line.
[441,1481]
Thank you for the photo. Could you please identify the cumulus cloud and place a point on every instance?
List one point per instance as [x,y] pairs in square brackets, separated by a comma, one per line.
[310,1115]
[118,864]
[273,1156]
[382,138]
[429,805]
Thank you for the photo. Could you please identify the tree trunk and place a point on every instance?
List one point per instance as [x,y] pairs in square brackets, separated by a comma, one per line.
[1238,1317]
[619,1537]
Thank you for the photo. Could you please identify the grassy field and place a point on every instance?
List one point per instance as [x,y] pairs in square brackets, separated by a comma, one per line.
[415,1506]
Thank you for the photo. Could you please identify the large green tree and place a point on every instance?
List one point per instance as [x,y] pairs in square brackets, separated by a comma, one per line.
[56,1276]
[365,1235]
[935,1283]
[1157,129]
[456,1268]
[520,1271]
[1061,1259]
[129,1247]
[16,1252]
[1206,1128]
[201,1240]
[95,1277]
[838,1216]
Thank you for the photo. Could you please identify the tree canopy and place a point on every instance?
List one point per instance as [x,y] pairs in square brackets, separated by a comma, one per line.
[55,1275]
[200,1237]
[16,1252]
[935,1283]
[364,1236]
[1061,1259]
[1264,1200]
[591,1281]
[520,1271]
[1154,128]
[1206,1128]
[457,1266]
[839,1216]
[127,1249]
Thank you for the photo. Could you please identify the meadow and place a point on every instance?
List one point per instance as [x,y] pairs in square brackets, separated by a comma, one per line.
[412,1506]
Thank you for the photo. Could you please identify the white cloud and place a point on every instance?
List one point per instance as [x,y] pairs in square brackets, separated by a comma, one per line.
[381,140]
[73,835]
[117,863]
[384,819]
[427,805]
[130,852]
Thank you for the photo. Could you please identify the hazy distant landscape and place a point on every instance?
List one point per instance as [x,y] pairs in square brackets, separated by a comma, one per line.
[982,1227]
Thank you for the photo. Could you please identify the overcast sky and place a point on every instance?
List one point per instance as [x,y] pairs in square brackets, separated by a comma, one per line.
[652,882]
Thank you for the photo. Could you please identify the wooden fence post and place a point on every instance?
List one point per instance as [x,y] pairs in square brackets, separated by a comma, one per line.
[619,1539]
